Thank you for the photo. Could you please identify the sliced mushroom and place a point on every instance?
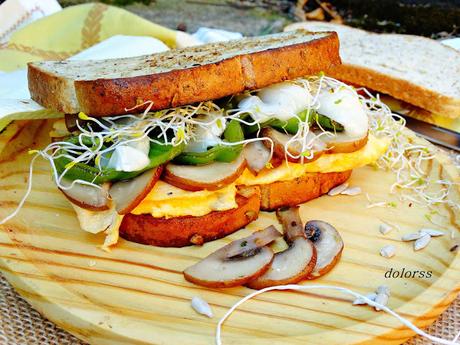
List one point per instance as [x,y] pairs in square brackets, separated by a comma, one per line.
[245,246]
[219,271]
[257,156]
[342,143]
[86,196]
[291,222]
[280,141]
[128,194]
[328,243]
[210,176]
[290,266]
[293,264]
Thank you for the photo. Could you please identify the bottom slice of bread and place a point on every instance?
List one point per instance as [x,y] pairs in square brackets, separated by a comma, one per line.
[188,230]
[299,190]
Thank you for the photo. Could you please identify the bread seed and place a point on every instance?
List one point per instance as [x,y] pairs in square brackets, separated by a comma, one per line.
[422,242]
[388,251]
[337,190]
[431,232]
[411,237]
[201,306]
[385,228]
[352,191]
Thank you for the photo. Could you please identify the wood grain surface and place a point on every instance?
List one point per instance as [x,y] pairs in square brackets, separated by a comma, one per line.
[137,295]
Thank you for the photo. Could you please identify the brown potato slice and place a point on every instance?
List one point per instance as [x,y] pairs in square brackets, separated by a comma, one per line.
[210,176]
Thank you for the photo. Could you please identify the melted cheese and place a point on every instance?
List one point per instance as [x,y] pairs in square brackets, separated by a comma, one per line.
[165,200]
[335,162]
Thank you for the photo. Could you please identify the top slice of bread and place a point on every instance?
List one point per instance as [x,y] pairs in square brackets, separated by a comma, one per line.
[180,76]
[418,70]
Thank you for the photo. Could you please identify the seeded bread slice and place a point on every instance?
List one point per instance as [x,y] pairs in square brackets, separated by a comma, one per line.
[180,76]
[415,69]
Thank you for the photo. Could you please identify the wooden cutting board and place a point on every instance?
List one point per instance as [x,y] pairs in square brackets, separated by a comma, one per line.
[137,295]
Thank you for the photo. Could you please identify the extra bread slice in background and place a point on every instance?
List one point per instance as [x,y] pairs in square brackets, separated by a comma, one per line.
[418,70]
[180,76]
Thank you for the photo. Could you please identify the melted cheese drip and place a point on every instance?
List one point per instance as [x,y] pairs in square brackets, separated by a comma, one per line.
[165,200]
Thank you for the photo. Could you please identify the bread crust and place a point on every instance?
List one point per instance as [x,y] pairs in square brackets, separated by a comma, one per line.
[397,88]
[207,81]
[299,190]
[188,230]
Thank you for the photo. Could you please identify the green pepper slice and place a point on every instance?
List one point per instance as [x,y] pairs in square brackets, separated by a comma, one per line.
[219,153]
[292,125]
[158,154]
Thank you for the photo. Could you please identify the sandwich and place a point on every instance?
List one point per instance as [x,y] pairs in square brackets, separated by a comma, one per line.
[189,145]
[404,69]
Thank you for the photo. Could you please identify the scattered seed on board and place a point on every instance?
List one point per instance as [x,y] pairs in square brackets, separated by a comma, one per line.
[411,237]
[381,299]
[388,251]
[91,263]
[383,294]
[360,301]
[431,232]
[337,190]
[383,289]
[422,242]
[352,191]
[385,228]
[201,306]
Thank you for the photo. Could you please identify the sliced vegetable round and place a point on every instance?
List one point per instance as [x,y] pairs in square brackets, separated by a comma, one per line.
[342,143]
[198,177]
[288,267]
[218,270]
[257,156]
[280,142]
[86,196]
[129,193]
[328,244]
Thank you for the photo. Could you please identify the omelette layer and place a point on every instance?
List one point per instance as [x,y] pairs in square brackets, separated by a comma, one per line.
[165,200]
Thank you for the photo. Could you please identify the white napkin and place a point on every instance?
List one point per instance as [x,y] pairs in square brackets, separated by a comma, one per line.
[14,14]
[15,102]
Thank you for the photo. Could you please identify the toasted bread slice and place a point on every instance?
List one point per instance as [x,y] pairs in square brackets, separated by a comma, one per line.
[188,230]
[180,76]
[299,190]
[414,69]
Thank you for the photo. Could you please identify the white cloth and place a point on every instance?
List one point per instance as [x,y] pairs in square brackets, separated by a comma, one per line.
[14,14]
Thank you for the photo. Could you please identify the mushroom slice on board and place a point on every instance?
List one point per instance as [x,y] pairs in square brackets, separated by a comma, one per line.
[328,243]
[219,271]
[296,262]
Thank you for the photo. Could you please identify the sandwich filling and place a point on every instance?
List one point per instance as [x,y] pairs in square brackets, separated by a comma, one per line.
[200,153]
